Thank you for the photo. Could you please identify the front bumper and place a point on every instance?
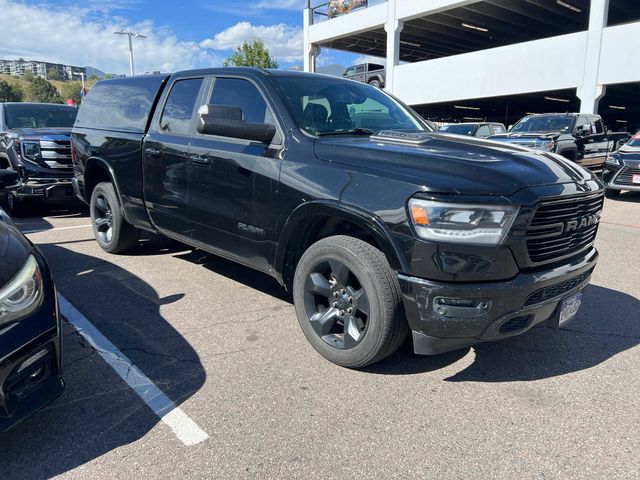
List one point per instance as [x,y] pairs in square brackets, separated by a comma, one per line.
[31,361]
[50,190]
[448,316]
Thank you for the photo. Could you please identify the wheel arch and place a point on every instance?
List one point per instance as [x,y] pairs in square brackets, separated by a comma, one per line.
[97,170]
[315,220]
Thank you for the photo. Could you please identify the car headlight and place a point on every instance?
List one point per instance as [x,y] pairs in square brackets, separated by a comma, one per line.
[461,223]
[30,150]
[545,145]
[613,160]
[23,294]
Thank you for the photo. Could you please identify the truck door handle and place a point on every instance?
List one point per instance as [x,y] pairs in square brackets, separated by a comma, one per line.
[200,161]
[153,152]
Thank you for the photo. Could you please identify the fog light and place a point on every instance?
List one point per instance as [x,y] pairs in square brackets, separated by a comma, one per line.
[461,307]
[32,359]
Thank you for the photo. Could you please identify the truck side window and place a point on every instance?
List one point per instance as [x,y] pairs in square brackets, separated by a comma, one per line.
[483,131]
[596,125]
[583,122]
[178,110]
[241,93]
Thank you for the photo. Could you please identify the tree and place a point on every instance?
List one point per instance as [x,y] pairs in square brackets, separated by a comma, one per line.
[10,93]
[71,90]
[251,54]
[53,74]
[40,90]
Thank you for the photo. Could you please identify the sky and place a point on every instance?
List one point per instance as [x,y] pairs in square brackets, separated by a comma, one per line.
[181,34]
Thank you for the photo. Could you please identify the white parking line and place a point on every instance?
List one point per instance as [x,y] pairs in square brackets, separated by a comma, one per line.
[26,232]
[183,427]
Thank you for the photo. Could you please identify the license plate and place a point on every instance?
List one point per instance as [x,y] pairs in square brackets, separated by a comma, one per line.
[635,179]
[569,308]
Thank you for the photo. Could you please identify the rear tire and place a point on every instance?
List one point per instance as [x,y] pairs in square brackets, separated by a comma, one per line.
[375,83]
[112,232]
[611,193]
[348,302]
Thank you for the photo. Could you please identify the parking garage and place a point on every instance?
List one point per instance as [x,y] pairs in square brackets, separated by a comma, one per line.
[497,60]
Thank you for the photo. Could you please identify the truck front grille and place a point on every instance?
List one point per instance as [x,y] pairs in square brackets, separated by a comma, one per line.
[56,153]
[625,177]
[556,290]
[562,228]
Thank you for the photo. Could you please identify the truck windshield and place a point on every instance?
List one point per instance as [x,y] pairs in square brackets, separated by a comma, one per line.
[544,123]
[39,116]
[325,106]
[460,129]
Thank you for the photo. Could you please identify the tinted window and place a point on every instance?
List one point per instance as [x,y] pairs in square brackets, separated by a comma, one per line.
[120,104]
[635,140]
[483,131]
[39,116]
[544,123]
[597,125]
[179,107]
[459,129]
[241,93]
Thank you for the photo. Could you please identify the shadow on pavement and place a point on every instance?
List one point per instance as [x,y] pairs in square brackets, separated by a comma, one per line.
[607,325]
[98,411]
[627,197]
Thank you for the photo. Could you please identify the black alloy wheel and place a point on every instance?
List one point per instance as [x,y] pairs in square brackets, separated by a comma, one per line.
[102,215]
[336,304]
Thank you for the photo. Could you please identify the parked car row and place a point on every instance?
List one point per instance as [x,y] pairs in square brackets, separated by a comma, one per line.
[581,138]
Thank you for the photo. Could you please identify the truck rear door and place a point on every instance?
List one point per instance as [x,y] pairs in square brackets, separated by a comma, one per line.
[232,182]
[166,157]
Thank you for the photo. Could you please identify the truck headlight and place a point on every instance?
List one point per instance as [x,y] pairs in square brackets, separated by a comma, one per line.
[545,145]
[23,294]
[461,223]
[30,150]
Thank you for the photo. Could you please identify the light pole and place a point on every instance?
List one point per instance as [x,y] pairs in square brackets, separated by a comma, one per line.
[130,34]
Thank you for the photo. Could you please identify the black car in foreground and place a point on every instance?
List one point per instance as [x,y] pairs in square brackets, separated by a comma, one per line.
[376,232]
[30,337]
[34,141]
[622,169]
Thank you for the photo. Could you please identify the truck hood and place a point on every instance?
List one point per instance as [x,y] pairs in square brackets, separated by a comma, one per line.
[444,163]
[43,133]
[14,249]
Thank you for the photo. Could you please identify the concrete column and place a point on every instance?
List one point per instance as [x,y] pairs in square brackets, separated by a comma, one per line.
[590,92]
[393,27]
[311,50]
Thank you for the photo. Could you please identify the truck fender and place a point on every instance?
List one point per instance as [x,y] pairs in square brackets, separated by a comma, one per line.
[97,162]
[363,219]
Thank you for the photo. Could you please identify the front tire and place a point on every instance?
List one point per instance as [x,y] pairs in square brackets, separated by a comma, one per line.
[18,207]
[112,232]
[348,302]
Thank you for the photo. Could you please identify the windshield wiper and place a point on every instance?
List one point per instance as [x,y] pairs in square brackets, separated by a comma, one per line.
[353,131]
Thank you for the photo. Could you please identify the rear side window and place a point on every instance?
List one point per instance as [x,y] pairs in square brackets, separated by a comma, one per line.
[179,107]
[122,104]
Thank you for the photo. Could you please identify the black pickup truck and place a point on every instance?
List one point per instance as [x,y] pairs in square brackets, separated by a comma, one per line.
[376,233]
[34,141]
[579,137]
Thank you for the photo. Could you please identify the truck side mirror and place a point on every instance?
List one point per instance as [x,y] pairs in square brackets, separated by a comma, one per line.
[228,121]
[509,128]
[9,180]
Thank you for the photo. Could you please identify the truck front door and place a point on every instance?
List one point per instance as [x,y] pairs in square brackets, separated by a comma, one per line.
[232,182]
[166,158]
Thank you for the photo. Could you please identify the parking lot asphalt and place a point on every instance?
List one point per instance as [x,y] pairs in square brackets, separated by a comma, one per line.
[223,344]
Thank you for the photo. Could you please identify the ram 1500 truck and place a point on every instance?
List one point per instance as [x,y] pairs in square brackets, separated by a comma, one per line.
[376,233]
[34,141]
[579,137]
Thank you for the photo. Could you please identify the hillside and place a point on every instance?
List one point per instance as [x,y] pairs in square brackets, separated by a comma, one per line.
[65,88]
